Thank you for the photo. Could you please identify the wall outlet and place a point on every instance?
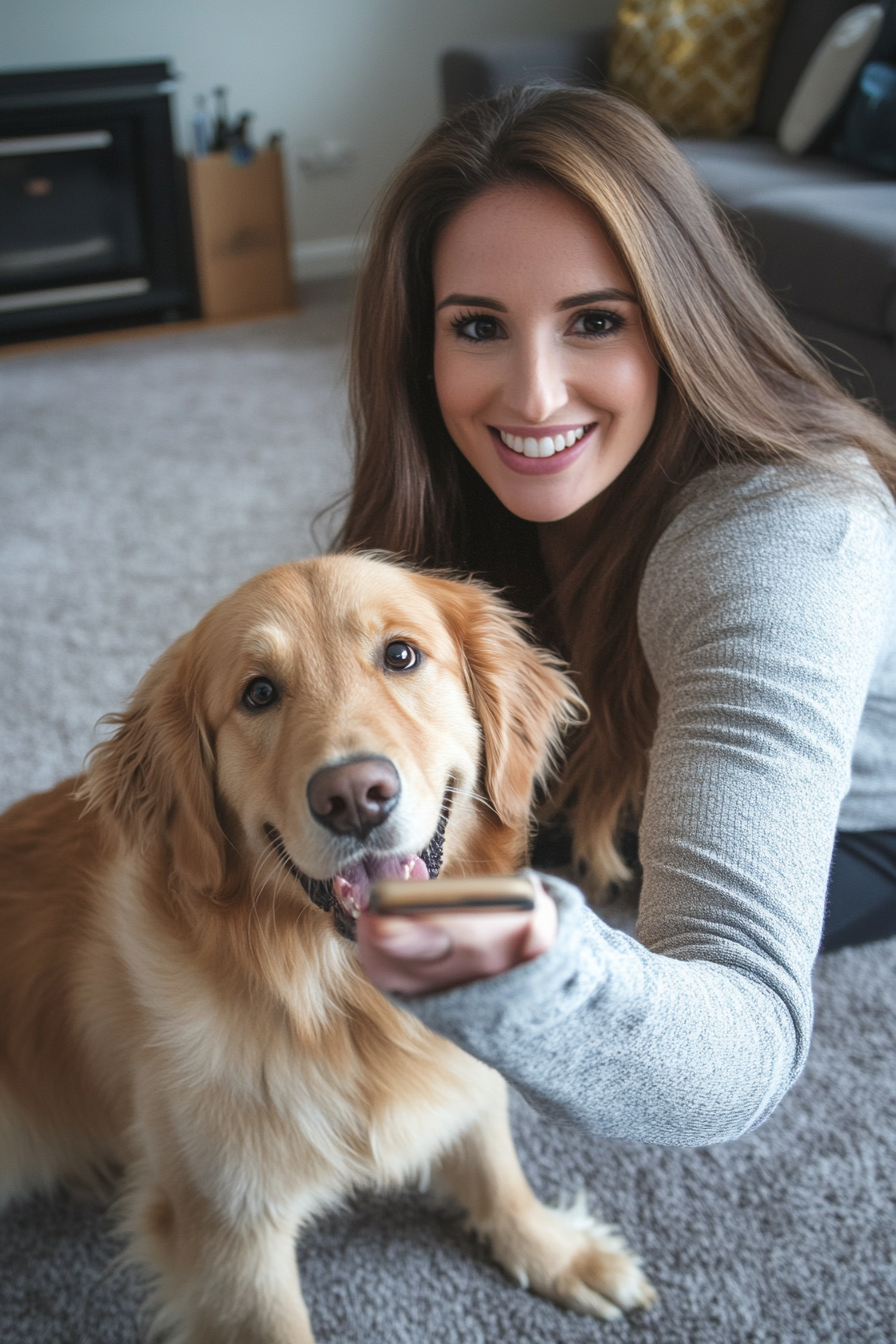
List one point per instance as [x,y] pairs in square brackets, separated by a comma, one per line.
[325,158]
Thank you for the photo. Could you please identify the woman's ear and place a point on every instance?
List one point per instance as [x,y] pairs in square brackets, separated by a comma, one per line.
[523,701]
[154,778]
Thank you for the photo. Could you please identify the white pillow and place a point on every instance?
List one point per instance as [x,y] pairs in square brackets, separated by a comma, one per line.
[833,66]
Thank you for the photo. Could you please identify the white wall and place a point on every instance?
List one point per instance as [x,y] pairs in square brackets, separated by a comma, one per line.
[360,71]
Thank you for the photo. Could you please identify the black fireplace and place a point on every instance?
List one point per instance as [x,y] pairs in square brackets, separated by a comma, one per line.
[94,215]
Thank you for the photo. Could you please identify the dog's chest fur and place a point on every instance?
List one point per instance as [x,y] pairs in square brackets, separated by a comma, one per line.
[305,1064]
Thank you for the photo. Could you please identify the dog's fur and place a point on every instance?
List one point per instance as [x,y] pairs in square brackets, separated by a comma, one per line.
[174,1006]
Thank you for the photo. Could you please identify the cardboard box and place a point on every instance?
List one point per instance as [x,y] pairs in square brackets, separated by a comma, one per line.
[241,235]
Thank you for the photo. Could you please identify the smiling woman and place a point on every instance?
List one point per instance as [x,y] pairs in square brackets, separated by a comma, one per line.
[552,358]
[545,375]
[566,379]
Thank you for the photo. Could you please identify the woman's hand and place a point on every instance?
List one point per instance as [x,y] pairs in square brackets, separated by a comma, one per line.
[427,953]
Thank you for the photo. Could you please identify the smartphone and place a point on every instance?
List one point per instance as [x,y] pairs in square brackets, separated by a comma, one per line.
[394,897]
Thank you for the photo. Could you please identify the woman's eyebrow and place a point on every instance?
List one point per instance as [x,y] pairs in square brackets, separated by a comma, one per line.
[574,301]
[470,301]
[595,296]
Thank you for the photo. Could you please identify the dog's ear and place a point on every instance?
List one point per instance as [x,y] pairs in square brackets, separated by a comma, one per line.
[154,778]
[523,700]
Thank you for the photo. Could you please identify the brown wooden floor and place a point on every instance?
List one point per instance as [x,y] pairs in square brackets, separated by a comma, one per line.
[133,333]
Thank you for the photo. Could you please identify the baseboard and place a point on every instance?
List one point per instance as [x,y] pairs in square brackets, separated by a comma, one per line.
[326,258]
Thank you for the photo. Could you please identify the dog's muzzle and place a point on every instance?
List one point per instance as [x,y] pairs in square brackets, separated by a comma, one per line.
[321,891]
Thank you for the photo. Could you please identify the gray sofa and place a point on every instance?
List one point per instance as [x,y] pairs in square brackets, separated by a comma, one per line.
[823,232]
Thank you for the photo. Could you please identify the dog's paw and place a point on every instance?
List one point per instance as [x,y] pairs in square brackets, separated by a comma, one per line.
[566,1255]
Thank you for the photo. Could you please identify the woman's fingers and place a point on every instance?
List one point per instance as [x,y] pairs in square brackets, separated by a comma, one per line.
[428,953]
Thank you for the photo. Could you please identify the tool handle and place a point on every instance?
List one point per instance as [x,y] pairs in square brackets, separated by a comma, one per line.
[392,897]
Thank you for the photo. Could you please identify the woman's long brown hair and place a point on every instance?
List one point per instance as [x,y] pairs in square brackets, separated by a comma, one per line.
[736,385]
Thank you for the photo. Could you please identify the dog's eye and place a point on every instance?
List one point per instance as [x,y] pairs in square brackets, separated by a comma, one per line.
[400,656]
[260,693]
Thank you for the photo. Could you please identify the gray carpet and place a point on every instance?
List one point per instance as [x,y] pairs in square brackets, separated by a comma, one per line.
[141,480]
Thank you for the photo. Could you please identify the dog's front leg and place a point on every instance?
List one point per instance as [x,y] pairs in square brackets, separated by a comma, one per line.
[219,1277]
[562,1254]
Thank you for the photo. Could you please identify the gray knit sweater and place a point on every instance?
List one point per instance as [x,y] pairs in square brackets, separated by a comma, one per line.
[768,617]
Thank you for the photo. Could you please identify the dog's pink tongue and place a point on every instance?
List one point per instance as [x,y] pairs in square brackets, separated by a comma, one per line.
[352,888]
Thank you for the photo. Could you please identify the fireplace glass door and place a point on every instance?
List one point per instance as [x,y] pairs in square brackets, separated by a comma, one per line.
[94,219]
[69,221]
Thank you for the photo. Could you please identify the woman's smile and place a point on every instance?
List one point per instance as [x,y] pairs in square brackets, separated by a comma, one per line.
[553,441]
[538,453]
[544,372]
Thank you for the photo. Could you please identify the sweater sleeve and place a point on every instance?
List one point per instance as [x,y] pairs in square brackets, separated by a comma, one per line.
[761,613]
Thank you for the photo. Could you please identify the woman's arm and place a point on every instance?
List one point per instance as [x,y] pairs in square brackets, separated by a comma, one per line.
[761,617]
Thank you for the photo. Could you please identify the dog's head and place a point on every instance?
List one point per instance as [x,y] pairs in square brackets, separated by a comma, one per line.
[322,723]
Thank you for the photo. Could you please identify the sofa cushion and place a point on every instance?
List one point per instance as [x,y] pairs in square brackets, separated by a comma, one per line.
[831,252]
[868,132]
[485,68]
[865,365]
[738,171]
[823,232]
[827,78]
[694,65]
[802,28]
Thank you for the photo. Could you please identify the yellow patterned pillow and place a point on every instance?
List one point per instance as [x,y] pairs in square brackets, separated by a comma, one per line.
[694,65]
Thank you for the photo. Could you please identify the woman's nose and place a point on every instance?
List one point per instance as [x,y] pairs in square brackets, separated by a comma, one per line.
[537,384]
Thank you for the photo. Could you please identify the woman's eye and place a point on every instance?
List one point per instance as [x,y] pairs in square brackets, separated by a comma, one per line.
[260,693]
[399,656]
[480,328]
[597,323]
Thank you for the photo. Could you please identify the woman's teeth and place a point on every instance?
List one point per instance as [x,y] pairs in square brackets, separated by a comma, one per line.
[544,447]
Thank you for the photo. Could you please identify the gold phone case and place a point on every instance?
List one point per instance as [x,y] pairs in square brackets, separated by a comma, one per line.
[391,897]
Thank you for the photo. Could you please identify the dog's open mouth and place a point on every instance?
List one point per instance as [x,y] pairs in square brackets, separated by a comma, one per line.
[347,893]
[352,888]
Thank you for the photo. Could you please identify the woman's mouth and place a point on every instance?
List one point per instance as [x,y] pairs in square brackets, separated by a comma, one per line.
[545,445]
[543,454]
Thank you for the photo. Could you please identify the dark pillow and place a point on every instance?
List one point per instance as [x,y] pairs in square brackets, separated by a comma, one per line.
[803,27]
[884,48]
[868,130]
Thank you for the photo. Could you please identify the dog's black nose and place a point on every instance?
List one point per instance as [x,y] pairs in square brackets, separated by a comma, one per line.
[352,798]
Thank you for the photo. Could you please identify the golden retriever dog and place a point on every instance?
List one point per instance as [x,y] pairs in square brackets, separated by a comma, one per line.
[178,999]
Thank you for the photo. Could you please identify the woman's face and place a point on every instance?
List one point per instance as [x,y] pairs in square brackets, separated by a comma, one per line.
[543,368]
